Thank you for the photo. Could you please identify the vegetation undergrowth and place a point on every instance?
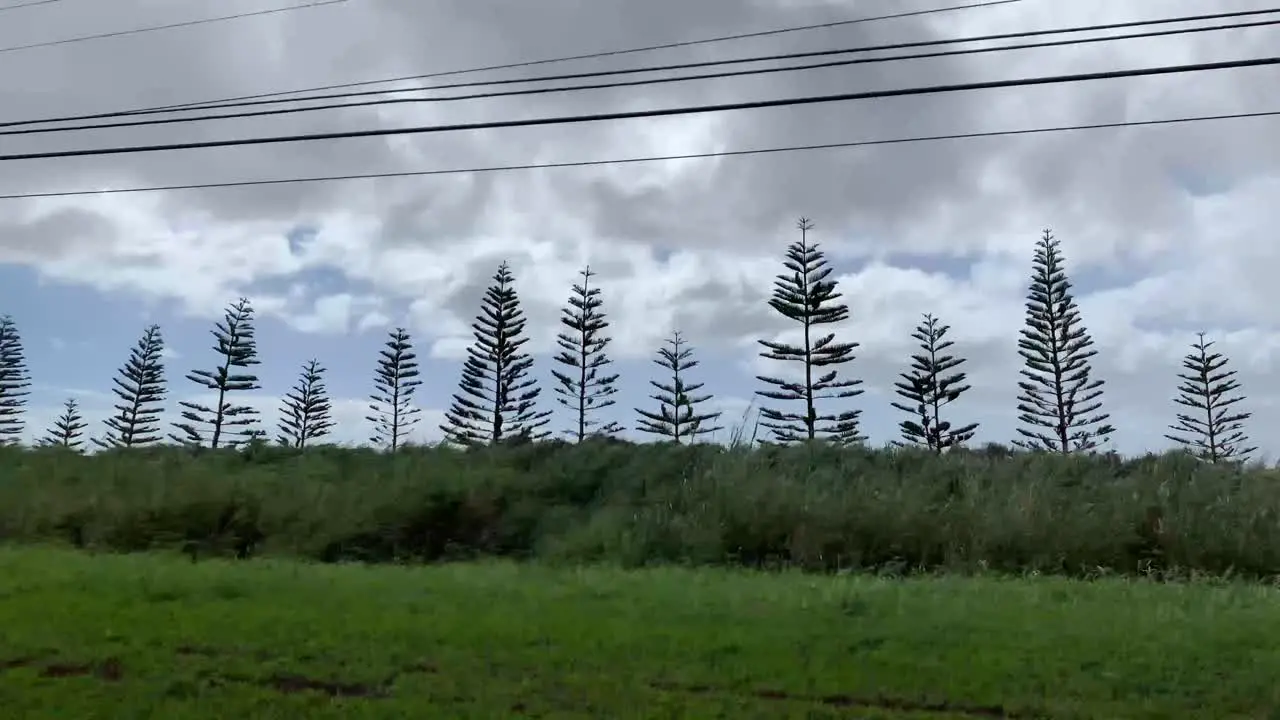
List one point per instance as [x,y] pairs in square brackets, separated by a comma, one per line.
[815,507]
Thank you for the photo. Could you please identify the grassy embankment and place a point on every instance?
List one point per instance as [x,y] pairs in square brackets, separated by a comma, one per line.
[156,636]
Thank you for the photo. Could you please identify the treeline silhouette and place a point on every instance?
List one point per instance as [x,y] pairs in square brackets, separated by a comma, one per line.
[1059,404]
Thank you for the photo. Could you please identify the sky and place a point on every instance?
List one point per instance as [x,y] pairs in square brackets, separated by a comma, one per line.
[1167,231]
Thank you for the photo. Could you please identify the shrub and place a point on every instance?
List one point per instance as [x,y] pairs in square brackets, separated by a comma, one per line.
[814,506]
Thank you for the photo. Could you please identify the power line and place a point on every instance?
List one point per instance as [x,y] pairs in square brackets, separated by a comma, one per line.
[33,3]
[663,112]
[710,63]
[631,83]
[655,158]
[713,63]
[154,28]
[587,56]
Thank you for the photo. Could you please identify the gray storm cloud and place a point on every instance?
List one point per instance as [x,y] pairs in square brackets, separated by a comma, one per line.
[1112,196]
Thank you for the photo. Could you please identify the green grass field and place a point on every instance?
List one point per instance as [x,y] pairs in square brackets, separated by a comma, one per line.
[139,636]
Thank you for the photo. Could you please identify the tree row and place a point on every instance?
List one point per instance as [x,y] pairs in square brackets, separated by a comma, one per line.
[1059,404]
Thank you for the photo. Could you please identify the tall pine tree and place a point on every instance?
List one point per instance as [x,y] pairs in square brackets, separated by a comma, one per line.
[1059,401]
[809,298]
[932,384]
[677,417]
[140,390]
[496,398]
[225,424]
[395,382]
[68,430]
[305,411]
[584,387]
[14,381]
[1215,432]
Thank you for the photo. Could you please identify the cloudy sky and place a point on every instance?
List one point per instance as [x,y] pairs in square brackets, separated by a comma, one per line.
[1167,230]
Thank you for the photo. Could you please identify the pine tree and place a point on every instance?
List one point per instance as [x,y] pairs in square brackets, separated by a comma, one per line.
[68,429]
[395,382]
[583,389]
[1058,399]
[809,298]
[496,399]
[1216,432]
[929,387]
[305,411]
[14,381]
[676,417]
[237,350]
[140,388]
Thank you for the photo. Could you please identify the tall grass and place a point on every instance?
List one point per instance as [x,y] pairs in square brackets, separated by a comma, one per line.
[814,507]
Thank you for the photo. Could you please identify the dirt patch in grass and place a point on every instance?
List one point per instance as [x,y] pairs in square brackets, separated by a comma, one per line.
[112,670]
[292,683]
[208,651]
[848,701]
[18,662]
[197,651]
[109,670]
[332,688]
[289,684]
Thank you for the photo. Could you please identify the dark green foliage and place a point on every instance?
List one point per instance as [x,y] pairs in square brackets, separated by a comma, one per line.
[395,382]
[237,351]
[496,398]
[816,507]
[676,417]
[809,298]
[305,411]
[1058,401]
[68,430]
[929,387]
[140,389]
[1216,432]
[14,381]
[583,387]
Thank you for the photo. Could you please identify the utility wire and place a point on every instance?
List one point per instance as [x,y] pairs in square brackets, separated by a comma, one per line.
[655,158]
[34,3]
[733,61]
[630,83]
[587,56]
[154,28]
[711,63]
[662,112]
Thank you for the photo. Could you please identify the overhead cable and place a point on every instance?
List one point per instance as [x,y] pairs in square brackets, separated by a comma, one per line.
[32,3]
[629,83]
[661,112]
[653,158]
[587,56]
[170,26]
[741,60]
